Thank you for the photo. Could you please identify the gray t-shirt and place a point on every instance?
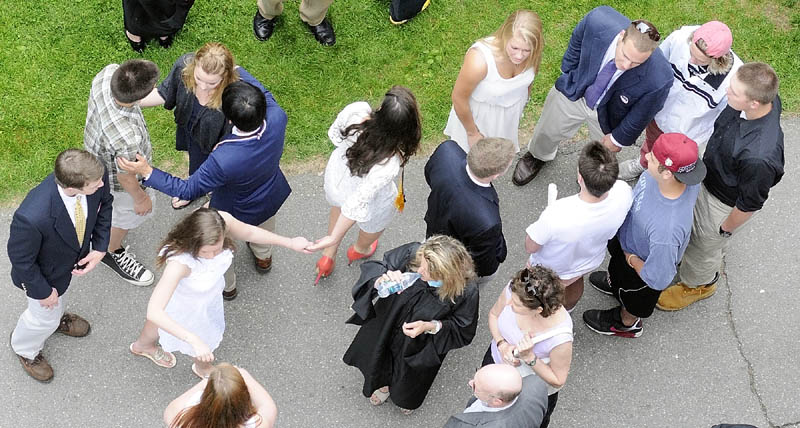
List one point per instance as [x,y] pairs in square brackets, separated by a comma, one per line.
[657,230]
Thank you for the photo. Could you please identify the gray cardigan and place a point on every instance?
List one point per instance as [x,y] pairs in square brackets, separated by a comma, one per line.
[210,124]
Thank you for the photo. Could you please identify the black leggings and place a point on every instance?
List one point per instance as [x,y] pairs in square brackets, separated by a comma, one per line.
[551,399]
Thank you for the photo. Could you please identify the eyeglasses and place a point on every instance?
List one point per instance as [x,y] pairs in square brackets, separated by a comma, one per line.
[645,28]
[530,287]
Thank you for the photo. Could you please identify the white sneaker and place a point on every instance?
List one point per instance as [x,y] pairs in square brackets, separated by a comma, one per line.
[630,170]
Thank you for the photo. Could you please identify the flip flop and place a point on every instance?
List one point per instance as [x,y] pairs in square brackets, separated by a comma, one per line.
[194,370]
[378,397]
[161,358]
[176,203]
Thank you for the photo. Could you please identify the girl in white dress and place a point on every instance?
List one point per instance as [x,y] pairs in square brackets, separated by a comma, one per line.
[371,147]
[494,83]
[185,311]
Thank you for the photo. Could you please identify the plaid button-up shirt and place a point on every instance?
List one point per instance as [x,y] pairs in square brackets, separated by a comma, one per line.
[113,130]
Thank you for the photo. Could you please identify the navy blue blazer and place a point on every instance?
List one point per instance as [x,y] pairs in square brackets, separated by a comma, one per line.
[460,208]
[635,97]
[243,171]
[43,247]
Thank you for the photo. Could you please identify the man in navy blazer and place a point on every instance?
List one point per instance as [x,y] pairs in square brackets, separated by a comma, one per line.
[464,204]
[243,170]
[61,229]
[612,78]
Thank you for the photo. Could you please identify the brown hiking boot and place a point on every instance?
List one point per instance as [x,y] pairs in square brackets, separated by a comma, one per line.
[263,265]
[38,367]
[73,325]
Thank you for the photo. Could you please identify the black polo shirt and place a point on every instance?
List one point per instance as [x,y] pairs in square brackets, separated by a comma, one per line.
[744,158]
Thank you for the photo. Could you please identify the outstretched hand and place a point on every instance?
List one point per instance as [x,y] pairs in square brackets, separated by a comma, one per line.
[139,166]
[321,243]
[300,245]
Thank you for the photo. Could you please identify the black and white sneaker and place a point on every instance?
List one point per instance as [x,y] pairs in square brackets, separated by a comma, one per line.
[609,323]
[128,268]
[600,282]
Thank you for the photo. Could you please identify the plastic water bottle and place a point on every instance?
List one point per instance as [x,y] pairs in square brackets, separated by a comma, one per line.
[390,287]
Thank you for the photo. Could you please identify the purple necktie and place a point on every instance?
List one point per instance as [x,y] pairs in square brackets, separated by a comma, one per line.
[593,92]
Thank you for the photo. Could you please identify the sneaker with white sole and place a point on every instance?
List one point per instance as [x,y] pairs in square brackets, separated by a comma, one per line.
[124,263]
[609,323]
[630,170]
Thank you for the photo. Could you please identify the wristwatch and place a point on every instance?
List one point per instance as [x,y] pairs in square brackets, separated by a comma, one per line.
[531,362]
[723,233]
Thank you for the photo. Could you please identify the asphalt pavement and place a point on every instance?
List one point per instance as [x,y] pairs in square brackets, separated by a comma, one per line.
[732,358]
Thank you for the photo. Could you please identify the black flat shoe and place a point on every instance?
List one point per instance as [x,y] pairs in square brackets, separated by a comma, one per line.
[166,43]
[263,27]
[136,46]
[323,32]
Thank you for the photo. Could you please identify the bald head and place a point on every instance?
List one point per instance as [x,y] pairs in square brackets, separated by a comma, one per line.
[502,382]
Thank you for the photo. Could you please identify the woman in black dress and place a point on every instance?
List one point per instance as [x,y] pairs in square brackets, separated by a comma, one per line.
[405,337]
[153,19]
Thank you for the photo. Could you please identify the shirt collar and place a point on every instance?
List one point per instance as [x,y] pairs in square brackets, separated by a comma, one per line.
[475,179]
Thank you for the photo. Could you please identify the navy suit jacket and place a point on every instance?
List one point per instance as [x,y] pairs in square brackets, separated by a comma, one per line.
[43,247]
[243,171]
[460,208]
[635,97]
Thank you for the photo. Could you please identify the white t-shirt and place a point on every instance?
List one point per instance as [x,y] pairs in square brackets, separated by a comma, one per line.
[573,233]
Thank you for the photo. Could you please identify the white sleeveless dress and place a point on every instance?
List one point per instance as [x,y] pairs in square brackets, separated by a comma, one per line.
[496,103]
[196,303]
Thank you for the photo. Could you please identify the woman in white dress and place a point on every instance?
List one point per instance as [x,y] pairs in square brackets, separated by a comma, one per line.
[494,83]
[371,147]
[230,396]
[185,311]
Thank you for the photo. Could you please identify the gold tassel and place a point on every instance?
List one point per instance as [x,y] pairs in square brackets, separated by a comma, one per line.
[400,201]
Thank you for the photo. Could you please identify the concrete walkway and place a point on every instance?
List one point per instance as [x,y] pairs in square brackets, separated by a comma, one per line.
[732,358]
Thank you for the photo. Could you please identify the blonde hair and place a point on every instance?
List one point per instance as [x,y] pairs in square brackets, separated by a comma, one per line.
[719,65]
[449,262]
[490,156]
[525,24]
[213,58]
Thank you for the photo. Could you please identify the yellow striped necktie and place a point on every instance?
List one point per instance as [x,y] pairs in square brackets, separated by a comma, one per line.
[80,220]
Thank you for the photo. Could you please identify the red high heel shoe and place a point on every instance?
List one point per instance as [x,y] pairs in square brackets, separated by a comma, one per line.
[324,268]
[353,255]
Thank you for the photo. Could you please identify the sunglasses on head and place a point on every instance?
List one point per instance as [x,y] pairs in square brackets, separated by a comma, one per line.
[530,287]
[645,28]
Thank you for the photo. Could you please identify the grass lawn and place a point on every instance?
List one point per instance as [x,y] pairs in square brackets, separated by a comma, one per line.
[49,55]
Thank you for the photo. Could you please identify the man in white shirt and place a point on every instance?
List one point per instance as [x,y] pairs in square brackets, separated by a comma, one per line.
[61,229]
[571,234]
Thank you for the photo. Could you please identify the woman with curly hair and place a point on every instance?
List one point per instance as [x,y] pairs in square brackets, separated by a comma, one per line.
[405,337]
[532,331]
[371,148]
[228,398]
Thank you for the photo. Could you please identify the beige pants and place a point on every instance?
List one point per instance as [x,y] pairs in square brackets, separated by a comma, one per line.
[703,257]
[259,250]
[312,12]
[560,120]
[34,326]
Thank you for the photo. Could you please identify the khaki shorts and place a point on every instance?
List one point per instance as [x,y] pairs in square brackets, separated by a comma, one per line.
[123,215]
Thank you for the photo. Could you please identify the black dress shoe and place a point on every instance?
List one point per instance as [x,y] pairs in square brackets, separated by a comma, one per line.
[527,169]
[136,46]
[166,43]
[263,27]
[323,32]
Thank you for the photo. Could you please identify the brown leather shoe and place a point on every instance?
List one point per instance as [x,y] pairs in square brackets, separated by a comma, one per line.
[38,368]
[527,169]
[263,265]
[73,325]
[229,295]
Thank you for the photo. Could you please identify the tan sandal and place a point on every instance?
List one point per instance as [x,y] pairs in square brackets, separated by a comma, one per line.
[160,357]
[379,397]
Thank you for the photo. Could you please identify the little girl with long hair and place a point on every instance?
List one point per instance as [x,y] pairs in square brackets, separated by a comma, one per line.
[229,397]
[371,147]
[185,311]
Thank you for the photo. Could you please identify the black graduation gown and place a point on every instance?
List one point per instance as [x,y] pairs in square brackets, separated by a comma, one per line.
[155,18]
[383,353]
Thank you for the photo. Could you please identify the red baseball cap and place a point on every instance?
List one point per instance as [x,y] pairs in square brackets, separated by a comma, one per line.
[678,153]
[717,36]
